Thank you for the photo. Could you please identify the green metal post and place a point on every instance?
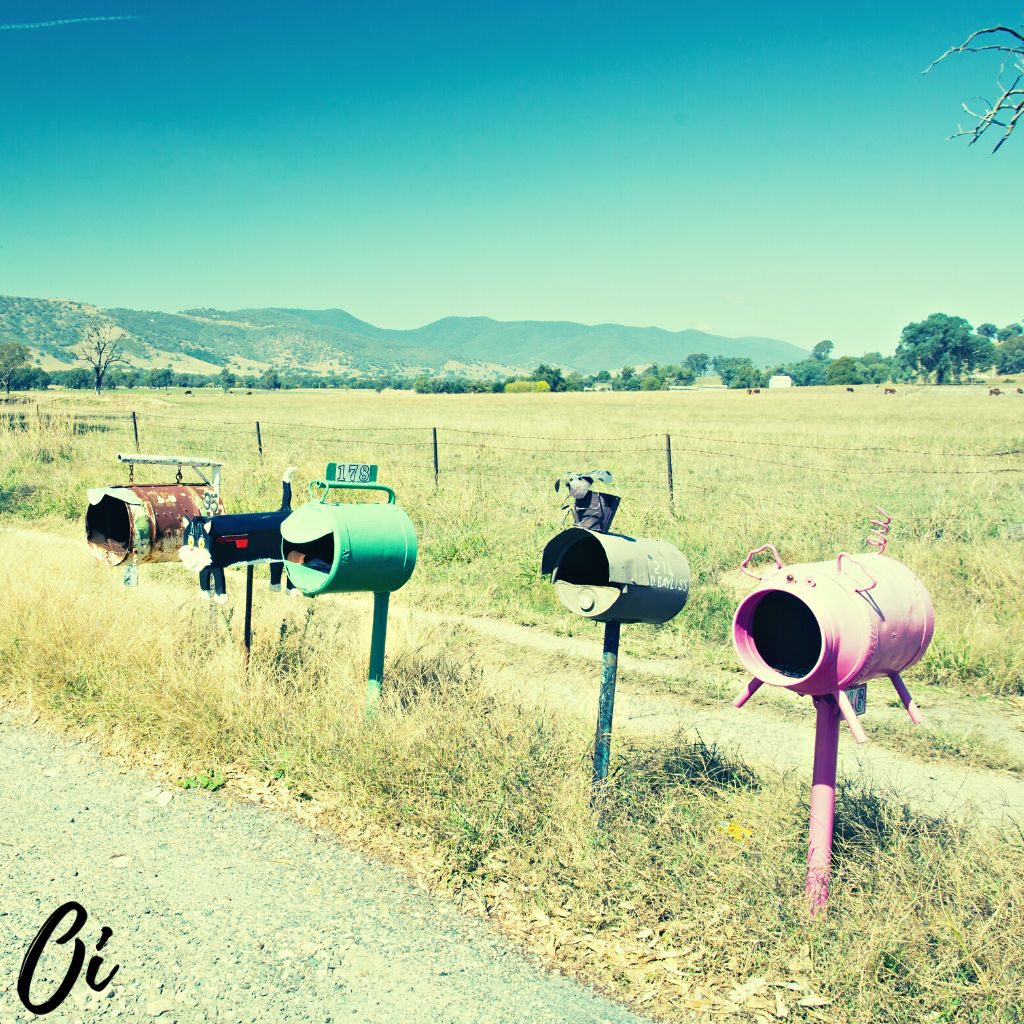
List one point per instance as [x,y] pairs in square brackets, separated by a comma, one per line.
[377,641]
[606,704]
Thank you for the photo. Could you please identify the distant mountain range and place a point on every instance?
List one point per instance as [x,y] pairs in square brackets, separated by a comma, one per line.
[205,340]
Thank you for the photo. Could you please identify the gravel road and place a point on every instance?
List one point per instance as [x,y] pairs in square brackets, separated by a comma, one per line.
[233,913]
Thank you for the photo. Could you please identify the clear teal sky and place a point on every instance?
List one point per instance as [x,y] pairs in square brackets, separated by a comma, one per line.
[775,169]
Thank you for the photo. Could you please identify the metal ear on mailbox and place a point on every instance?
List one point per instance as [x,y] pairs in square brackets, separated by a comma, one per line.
[337,548]
[615,579]
[139,523]
[824,629]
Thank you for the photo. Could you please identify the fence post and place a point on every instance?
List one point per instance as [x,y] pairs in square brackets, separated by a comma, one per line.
[668,466]
[259,438]
[135,430]
[433,434]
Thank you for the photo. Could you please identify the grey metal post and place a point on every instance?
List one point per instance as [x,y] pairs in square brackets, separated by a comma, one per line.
[259,439]
[606,703]
[433,433]
[247,625]
[135,430]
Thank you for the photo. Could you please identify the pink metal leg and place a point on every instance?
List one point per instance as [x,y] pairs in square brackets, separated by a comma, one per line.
[851,717]
[908,701]
[748,691]
[823,801]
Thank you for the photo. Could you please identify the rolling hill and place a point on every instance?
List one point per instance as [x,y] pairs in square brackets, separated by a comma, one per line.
[334,340]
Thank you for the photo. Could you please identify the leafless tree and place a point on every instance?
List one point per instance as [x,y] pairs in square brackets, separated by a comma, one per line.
[1008,107]
[101,349]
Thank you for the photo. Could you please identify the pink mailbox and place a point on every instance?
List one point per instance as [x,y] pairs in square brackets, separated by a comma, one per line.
[823,629]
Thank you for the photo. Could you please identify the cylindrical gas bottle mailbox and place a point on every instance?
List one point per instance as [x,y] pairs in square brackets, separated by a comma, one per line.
[609,577]
[824,626]
[143,522]
[348,547]
[615,579]
[330,548]
[823,629]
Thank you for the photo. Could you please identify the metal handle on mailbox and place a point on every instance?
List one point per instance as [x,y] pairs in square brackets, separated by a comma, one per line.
[757,551]
[339,485]
[839,568]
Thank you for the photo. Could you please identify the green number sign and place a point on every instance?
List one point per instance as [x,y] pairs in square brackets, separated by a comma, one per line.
[351,473]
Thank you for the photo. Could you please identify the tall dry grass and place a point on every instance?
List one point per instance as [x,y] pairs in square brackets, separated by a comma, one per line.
[687,900]
[803,470]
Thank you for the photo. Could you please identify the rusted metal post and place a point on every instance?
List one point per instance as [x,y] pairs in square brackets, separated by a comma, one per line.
[606,705]
[247,624]
[259,438]
[668,466]
[433,434]
[135,430]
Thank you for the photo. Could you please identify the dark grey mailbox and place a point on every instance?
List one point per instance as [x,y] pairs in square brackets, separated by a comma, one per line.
[614,579]
[609,577]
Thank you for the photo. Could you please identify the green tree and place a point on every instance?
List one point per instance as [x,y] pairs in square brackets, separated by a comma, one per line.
[942,347]
[739,372]
[271,379]
[226,379]
[808,373]
[1010,355]
[823,351]
[551,374]
[845,371]
[986,330]
[162,378]
[697,363]
[13,356]
[1009,331]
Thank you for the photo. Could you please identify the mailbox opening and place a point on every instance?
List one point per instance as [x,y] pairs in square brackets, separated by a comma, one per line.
[585,563]
[108,525]
[786,634]
[312,559]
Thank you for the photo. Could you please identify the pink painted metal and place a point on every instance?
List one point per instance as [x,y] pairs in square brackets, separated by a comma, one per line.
[823,802]
[822,628]
[851,620]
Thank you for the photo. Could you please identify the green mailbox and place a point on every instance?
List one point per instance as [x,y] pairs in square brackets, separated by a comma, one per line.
[346,547]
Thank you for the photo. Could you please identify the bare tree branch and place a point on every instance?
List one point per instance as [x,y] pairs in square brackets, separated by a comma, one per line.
[1009,107]
[101,348]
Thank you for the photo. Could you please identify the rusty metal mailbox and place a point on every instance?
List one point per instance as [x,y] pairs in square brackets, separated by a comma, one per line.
[615,579]
[610,577]
[138,523]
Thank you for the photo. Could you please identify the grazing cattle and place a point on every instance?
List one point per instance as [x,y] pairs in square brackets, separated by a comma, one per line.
[850,390]
[248,392]
[994,391]
[1020,391]
[188,392]
[753,391]
[890,391]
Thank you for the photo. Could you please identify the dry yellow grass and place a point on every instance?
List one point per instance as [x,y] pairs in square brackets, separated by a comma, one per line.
[666,905]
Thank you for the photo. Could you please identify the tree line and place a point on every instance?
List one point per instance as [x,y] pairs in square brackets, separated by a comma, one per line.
[941,349]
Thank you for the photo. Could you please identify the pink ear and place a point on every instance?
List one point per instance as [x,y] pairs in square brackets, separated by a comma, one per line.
[207,526]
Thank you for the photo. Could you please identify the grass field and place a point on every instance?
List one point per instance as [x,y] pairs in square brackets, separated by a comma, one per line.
[688,900]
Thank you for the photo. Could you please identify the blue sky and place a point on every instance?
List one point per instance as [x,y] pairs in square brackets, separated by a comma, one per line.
[779,170]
